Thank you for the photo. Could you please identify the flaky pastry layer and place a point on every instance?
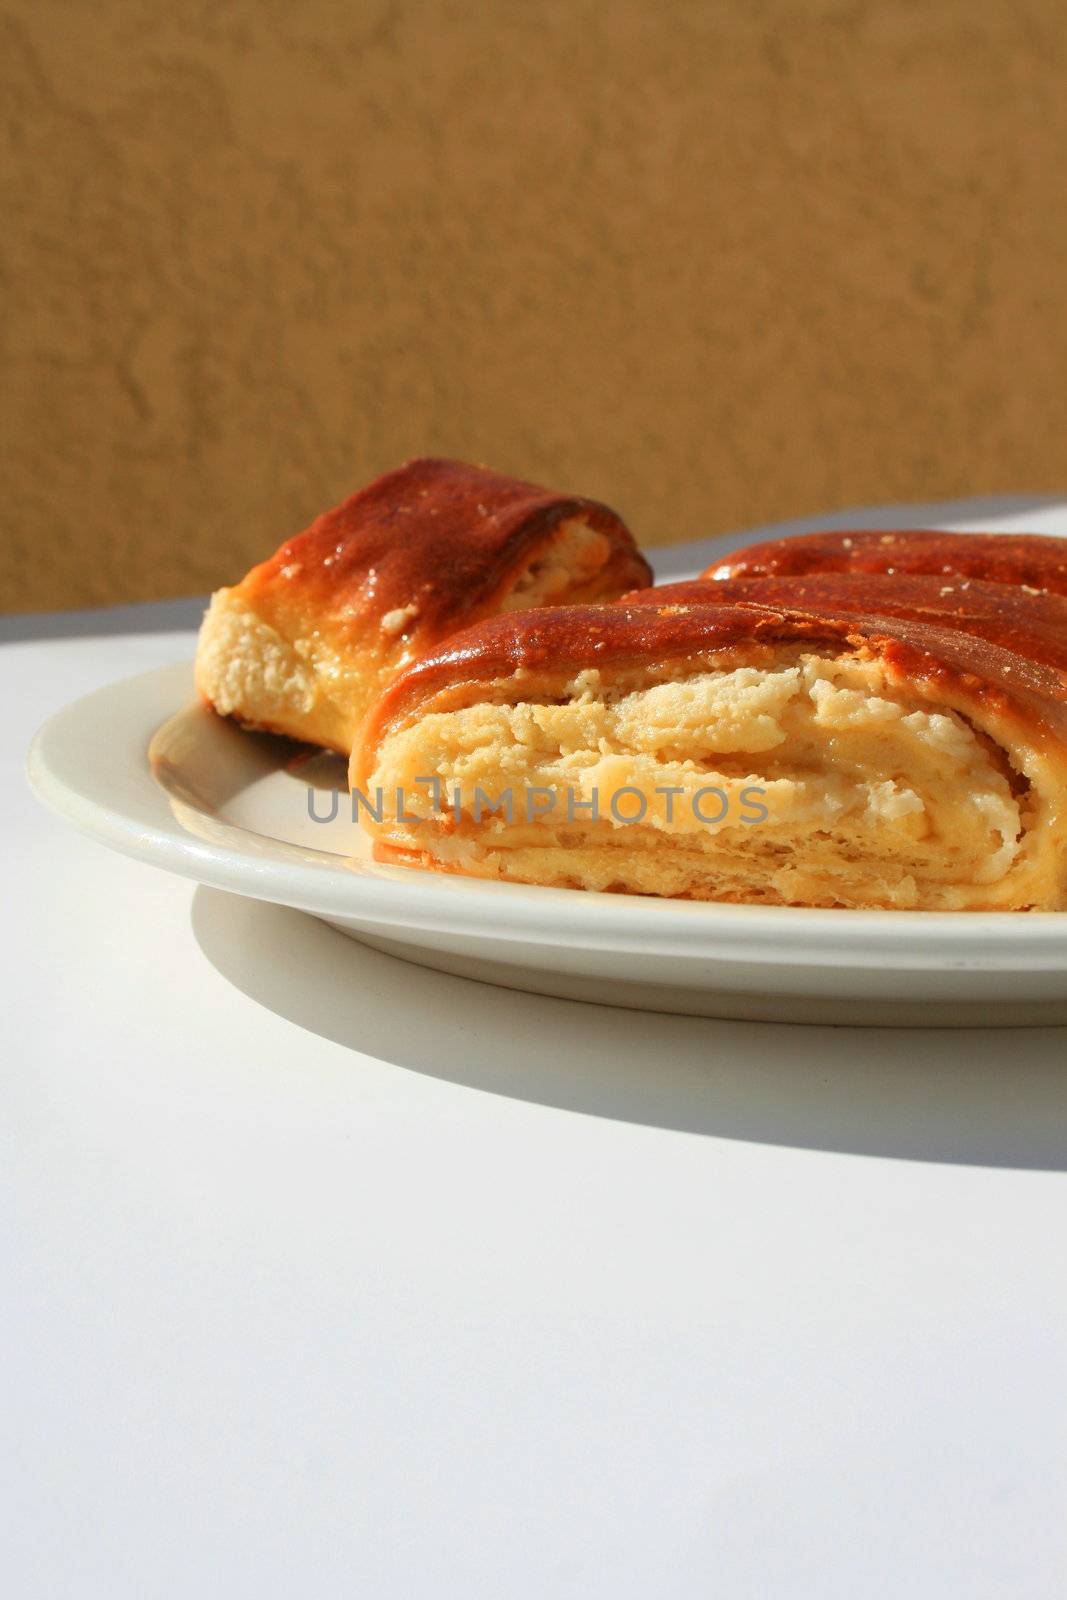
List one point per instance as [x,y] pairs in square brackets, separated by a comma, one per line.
[792,771]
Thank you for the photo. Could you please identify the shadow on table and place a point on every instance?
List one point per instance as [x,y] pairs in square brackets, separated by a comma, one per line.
[982,1097]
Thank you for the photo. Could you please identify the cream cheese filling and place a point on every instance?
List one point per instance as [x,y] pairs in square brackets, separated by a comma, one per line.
[868,796]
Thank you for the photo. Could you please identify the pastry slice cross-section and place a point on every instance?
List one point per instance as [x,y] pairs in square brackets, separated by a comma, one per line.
[308,639]
[726,752]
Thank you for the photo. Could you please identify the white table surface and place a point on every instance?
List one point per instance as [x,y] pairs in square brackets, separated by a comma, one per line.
[328,1276]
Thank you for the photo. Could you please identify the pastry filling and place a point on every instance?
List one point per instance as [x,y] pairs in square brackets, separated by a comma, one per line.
[810,782]
[576,557]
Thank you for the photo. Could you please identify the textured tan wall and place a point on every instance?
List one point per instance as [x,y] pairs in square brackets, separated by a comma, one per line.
[717,262]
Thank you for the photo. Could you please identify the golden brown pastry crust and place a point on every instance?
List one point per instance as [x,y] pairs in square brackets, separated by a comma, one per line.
[442,537]
[1036,560]
[309,637]
[1033,623]
[537,653]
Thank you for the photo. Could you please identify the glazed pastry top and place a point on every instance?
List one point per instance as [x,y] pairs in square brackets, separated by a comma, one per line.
[1019,558]
[540,654]
[1031,624]
[431,543]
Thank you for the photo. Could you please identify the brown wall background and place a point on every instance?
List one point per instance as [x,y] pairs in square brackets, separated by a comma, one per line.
[717,262]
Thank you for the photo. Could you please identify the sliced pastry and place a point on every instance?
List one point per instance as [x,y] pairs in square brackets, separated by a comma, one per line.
[784,755]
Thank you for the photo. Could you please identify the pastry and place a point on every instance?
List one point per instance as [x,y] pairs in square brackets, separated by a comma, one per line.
[1033,622]
[755,752]
[1029,559]
[308,639]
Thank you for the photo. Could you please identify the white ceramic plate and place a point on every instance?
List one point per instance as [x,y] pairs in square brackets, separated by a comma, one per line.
[228,809]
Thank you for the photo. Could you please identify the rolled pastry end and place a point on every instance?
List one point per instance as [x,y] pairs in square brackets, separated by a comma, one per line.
[305,643]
